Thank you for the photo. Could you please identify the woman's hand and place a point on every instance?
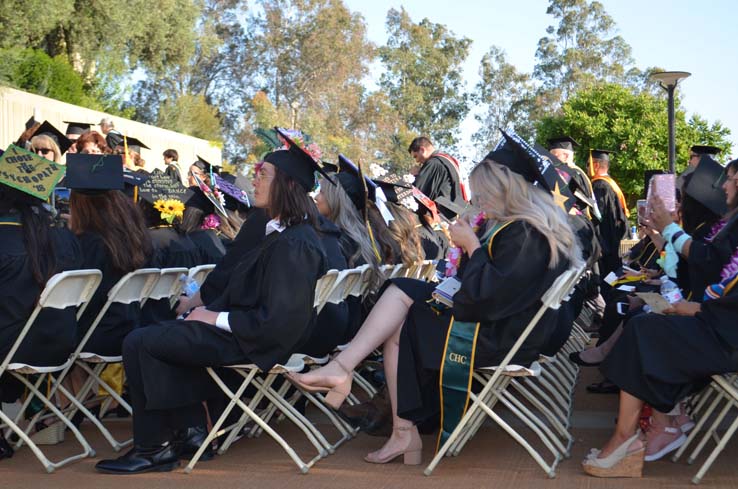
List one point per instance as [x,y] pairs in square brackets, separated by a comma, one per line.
[655,236]
[660,217]
[463,236]
[684,308]
[202,314]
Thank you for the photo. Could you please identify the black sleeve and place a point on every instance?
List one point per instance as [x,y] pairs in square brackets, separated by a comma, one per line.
[431,179]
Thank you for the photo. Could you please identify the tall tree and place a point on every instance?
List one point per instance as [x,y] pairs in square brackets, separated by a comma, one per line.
[422,76]
[503,97]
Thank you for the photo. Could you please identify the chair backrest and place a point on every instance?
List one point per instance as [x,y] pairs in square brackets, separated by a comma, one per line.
[342,284]
[428,271]
[199,273]
[397,271]
[323,287]
[65,289]
[353,280]
[168,285]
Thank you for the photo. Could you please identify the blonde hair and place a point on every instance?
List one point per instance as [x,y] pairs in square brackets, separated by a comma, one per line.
[507,196]
[402,228]
[42,140]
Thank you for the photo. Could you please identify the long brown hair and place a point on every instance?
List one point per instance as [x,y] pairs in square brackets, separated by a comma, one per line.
[118,222]
[403,229]
[289,201]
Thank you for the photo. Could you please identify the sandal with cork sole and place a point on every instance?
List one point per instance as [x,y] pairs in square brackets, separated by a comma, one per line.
[625,461]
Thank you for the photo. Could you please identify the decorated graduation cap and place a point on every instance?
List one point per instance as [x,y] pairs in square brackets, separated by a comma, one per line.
[161,186]
[395,189]
[537,167]
[77,128]
[29,172]
[214,195]
[93,174]
[705,187]
[134,144]
[562,142]
[196,198]
[231,190]
[296,162]
[703,149]
[47,129]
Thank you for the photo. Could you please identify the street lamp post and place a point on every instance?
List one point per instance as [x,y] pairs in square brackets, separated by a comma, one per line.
[668,80]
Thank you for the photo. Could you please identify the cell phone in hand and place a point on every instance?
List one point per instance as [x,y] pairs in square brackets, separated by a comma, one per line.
[622,308]
[642,206]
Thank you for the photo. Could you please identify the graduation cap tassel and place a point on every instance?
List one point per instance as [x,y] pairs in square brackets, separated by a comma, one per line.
[591,165]
[372,240]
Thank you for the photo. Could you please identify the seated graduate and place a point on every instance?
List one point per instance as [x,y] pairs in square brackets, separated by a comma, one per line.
[264,314]
[201,223]
[525,244]
[114,240]
[31,251]
[661,359]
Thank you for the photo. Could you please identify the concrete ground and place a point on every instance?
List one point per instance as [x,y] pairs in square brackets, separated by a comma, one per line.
[492,459]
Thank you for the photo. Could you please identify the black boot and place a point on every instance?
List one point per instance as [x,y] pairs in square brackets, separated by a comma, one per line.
[139,459]
[188,442]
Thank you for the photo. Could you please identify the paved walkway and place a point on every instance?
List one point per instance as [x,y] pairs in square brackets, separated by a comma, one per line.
[492,459]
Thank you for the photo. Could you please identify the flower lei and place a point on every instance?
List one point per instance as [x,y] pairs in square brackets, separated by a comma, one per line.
[730,268]
[211,221]
[453,256]
[716,228]
[170,209]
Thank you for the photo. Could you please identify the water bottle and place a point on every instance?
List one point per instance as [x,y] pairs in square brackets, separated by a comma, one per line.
[669,290]
[633,232]
[189,285]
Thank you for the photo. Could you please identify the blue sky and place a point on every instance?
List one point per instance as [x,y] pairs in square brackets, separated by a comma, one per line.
[678,35]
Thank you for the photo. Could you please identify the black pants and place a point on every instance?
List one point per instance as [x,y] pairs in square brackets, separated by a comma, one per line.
[167,382]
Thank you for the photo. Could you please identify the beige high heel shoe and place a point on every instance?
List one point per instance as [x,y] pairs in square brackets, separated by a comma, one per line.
[336,394]
[412,454]
[625,461]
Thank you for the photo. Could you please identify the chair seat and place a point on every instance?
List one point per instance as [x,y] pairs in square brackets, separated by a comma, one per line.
[95,358]
[23,368]
[310,360]
[516,370]
[294,364]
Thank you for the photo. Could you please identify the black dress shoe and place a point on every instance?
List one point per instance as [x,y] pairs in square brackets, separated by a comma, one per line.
[188,442]
[142,459]
[604,387]
[574,357]
[6,451]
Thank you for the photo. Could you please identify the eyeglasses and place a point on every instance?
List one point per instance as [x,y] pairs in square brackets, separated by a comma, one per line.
[44,151]
[197,174]
[262,174]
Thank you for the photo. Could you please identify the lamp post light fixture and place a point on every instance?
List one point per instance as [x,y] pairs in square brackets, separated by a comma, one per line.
[668,81]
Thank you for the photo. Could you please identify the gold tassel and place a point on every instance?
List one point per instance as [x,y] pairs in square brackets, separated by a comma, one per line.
[591,165]
[374,243]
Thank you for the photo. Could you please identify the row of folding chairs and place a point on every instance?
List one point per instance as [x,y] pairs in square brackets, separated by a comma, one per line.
[424,270]
[75,289]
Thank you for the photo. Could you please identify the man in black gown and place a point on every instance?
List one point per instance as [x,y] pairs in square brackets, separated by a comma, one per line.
[439,174]
[614,224]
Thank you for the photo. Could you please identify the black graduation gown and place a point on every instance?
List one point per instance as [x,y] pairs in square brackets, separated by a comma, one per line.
[173,172]
[706,260]
[171,250]
[501,287]
[613,227]
[120,319]
[209,244]
[433,245]
[663,359]
[333,323]
[248,238]
[269,297]
[438,177]
[54,335]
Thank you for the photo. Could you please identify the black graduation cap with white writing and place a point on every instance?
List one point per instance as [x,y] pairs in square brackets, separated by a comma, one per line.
[47,129]
[161,186]
[92,174]
[296,162]
[705,185]
[395,189]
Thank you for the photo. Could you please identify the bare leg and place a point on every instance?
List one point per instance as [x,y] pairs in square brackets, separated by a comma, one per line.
[597,354]
[385,320]
[628,415]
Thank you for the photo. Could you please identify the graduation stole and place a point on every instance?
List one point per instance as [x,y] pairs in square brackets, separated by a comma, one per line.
[457,364]
[616,188]
[455,165]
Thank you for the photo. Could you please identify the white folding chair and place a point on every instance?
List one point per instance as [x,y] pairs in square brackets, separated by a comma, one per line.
[496,381]
[200,273]
[68,289]
[323,288]
[133,287]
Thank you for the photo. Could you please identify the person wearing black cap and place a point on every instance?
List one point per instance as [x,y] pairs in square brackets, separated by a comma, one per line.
[563,148]
[201,223]
[613,208]
[74,131]
[504,274]
[114,239]
[439,174]
[263,316]
[31,251]
[202,169]
[49,142]
[132,159]
[696,152]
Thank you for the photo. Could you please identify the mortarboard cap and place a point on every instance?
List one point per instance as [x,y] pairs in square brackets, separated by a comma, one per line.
[704,186]
[77,127]
[134,144]
[231,190]
[161,186]
[350,178]
[94,173]
[702,149]
[29,172]
[395,189]
[206,166]
[562,142]
[196,198]
[296,162]
[601,154]
[47,129]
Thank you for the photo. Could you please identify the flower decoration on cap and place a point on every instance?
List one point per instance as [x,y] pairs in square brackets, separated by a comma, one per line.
[211,221]
[301,139]
[170,209]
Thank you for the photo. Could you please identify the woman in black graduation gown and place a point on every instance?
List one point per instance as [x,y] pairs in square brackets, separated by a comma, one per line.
[201,224]
[661,359]
[264,314]
[115,249]
[501,286]
[31,251]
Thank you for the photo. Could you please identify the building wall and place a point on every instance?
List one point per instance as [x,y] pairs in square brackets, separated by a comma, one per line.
[16,107]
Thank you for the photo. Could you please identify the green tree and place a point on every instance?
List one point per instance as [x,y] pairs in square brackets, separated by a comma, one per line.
[614,117]
[422,77]
[504,97]
[191,114]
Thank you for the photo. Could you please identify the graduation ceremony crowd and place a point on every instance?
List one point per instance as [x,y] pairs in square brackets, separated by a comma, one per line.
[529,214]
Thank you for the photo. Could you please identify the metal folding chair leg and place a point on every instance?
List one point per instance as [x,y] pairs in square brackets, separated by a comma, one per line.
[701,420]
[715,452]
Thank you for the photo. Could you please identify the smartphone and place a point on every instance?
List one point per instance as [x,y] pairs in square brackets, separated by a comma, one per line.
[61,200]
[622,308]
[642,206]
[663,186]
